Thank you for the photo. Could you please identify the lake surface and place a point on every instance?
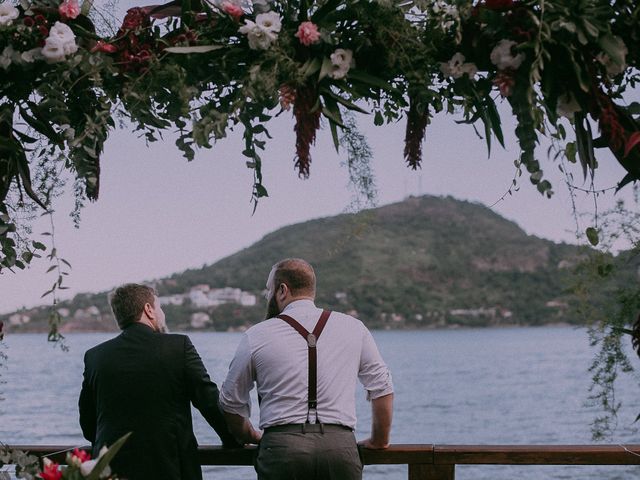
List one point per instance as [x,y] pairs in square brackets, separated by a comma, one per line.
[493,386]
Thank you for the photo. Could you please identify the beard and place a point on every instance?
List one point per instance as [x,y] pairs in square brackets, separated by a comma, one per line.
[162,327]
[272,308]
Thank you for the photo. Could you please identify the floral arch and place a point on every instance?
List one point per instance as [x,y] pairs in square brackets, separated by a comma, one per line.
[204,67]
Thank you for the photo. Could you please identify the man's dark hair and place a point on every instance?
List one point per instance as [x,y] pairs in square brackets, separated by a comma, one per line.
[128,301]
[296,274]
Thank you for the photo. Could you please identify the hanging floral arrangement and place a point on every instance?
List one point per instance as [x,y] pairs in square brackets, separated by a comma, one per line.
[205,67]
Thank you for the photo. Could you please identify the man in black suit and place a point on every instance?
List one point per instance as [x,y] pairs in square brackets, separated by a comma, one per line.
[143,381]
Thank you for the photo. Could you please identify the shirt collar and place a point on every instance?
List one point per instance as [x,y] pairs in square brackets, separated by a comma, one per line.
[299,304]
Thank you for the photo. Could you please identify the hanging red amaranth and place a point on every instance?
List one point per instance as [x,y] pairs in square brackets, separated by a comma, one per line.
[618,128]
[416,124]
[307,124]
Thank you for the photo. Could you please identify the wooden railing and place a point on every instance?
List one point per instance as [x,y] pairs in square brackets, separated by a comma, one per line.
[429,462]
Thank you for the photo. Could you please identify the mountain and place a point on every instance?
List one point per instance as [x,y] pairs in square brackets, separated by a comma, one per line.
[423,262]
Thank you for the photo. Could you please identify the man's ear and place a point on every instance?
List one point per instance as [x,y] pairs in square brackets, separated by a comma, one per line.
[149,311]
[282,291]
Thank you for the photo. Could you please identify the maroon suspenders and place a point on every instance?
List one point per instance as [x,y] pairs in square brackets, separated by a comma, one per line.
[311,339]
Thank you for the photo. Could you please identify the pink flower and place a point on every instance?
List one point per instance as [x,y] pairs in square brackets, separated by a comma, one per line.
[233,10]
[308,33]
[69,9]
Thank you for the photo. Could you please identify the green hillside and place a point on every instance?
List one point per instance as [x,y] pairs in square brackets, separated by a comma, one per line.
[424,262]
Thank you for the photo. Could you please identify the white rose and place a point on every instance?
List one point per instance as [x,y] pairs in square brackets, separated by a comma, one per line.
[567,106]
[8,13]
[502,57]
[342,61]
[62,32]
[7,57]
[60,43]
[53,50]
[269,21]
[31,55]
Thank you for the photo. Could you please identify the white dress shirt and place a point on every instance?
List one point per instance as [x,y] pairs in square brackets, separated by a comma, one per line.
[274,356]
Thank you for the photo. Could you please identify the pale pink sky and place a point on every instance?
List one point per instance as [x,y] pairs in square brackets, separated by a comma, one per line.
[158,214]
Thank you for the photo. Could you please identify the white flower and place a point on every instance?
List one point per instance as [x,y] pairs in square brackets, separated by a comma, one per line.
[62,32]
[87,467]
[263,32]
[456,67]
[53,50]
[259,38]
[60,43]
[342,61]
[7,57]
[614,68]
[502,57]
[31,55]
[8,13]
[567,106]
[269,21]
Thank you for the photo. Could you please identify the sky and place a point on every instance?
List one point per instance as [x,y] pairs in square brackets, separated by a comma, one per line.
[159,214]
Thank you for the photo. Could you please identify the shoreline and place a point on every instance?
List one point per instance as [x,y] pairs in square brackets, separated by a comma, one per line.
[9,331]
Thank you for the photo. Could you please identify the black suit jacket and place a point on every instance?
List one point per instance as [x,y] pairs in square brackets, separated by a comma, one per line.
[144,382]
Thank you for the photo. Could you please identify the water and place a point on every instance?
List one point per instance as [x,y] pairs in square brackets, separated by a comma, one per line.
[498,386]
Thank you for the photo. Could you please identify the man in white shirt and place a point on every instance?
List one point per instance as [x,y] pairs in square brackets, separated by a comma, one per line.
[308,425]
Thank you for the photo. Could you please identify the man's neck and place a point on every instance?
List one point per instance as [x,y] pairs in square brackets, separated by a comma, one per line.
[295,299]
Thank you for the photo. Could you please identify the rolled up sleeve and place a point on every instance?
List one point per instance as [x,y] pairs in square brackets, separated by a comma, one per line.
[234,395]
[374,373]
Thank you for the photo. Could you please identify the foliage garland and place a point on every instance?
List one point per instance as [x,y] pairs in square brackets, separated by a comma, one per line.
[205,67]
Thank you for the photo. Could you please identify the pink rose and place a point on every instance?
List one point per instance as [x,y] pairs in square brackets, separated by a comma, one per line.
[69,9]
[308,33]
[233,10]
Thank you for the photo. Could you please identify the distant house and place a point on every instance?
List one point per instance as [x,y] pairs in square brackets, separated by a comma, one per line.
[172,300]
[19,319]
[200,320]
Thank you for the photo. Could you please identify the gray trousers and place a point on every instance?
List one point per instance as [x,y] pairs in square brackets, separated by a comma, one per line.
[309,452]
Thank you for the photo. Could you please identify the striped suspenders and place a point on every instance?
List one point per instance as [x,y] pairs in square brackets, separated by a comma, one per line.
[311,339]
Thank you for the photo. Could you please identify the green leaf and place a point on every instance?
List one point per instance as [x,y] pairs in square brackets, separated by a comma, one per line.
[614,47]
[260,191]
[194,49]
[592,236]
[343,101]
[334,134]
[364,77]
[107,457]
[39,246]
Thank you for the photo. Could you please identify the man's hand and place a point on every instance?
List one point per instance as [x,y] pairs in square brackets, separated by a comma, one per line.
[368,443]
[241,428]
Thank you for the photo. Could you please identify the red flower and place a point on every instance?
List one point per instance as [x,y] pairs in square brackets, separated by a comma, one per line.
[135,17]
[51,472]
[104,47]
[82,455]
[44,31]
[29,21]
[40,20]
[498,4]
[505,81]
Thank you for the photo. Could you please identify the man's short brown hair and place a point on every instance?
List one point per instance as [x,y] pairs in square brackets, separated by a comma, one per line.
[128,301]
[297,274]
